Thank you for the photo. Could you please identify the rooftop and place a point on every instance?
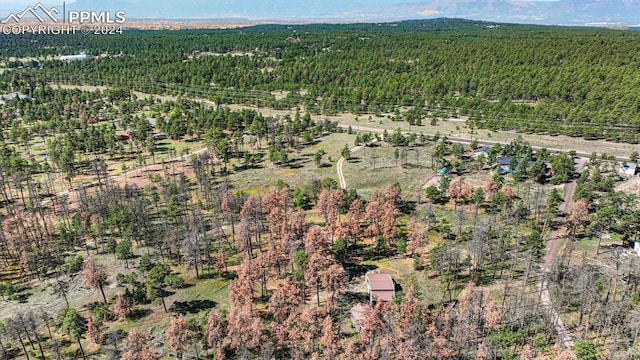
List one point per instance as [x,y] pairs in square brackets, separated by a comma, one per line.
[13,95]
[380,286]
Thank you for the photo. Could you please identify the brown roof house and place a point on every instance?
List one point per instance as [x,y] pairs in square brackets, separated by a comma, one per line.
[380,287]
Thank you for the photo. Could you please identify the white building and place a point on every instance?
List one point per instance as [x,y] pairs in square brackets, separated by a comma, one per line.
[81,56]
[628,169]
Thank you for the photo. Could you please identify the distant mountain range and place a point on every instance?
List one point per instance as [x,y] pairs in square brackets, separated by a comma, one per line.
[559,12]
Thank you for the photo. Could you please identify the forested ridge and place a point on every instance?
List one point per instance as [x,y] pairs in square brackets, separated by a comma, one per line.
[552,80]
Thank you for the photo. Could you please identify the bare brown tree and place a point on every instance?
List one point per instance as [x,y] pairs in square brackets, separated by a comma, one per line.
[177,335]
[95,276]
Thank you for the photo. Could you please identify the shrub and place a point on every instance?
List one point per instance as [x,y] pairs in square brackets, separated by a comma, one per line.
[101,313]
[401,245]
[73,264]
[585,350]
[175,281]
[6,289]
[145,263]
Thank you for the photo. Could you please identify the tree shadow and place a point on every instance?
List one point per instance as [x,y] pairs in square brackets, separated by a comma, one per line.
[294,165]
[19,294]
[209,275]
[5,203]
[414,166]
[138,314]
[184,286]
[230,275]
[191,306]
[249,167]
[22,298]
[357,270]
[396,285]
[354,297]
[11,353]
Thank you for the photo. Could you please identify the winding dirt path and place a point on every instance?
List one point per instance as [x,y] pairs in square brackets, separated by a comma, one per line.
[341,181]
[343,184]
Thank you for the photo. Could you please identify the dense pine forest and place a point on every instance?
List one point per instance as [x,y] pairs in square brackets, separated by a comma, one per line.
[225,194]
[576,81]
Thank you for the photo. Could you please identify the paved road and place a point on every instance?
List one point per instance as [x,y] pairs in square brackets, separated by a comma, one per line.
[464,140]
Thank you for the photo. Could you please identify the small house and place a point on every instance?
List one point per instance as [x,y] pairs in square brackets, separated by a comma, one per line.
[504,165]
[629,169]
[482,151]
[381,287]
[14,95]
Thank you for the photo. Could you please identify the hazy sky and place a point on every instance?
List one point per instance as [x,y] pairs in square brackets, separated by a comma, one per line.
[555,12]
[14,3]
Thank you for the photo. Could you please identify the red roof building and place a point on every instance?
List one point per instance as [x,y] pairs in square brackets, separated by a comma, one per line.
[380,287]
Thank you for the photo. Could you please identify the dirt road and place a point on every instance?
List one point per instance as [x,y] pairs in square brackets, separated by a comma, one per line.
[551,252]
[556,235]
[342,182]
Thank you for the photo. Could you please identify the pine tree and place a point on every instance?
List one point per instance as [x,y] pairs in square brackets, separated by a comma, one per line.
[177,335]
[95,276]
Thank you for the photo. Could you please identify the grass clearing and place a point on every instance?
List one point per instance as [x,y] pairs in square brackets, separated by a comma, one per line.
[360,174]
[300,170]
[200,296]
[610,249]
[403,273]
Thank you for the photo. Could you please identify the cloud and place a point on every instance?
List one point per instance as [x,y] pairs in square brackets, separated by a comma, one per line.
[428,12]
